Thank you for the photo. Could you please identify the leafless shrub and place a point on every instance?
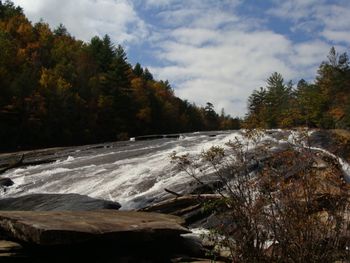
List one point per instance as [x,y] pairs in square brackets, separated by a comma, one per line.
[280,207]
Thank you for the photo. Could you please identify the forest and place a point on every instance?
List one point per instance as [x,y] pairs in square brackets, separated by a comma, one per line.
[322,104]
[57,90]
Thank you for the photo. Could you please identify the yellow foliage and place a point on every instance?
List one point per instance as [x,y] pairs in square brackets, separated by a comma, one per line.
[136,83]
[337,113]
[105,102]
[145,114]
[26,32]
[53,82]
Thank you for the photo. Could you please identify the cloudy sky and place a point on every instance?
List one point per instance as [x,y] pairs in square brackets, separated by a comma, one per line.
[210,50]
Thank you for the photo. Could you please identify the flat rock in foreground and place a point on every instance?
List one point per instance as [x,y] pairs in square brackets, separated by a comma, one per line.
[52,228]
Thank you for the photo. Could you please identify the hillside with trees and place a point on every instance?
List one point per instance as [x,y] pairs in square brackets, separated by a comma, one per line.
[57,90]
[323,104]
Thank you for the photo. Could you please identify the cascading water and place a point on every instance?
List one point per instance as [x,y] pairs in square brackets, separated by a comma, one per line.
[132,173]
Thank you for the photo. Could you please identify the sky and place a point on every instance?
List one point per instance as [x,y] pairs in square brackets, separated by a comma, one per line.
[215,51]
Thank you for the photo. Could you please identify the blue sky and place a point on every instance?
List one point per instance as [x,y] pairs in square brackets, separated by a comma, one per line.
[210,50]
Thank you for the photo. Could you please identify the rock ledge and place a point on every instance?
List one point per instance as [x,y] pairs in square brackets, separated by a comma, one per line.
[52,228]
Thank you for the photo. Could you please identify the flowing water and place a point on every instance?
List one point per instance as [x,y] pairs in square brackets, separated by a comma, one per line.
[132,173]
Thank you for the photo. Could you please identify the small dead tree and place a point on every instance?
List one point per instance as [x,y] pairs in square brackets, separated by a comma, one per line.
[280,207]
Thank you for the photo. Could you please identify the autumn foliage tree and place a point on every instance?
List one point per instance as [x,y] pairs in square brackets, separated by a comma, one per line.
[56,90]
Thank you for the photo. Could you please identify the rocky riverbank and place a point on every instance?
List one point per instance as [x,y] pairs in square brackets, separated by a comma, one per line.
[116,235]
[334,141]
[72,227]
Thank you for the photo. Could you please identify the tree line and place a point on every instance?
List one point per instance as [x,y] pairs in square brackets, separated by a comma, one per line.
[57,90]
[322,104]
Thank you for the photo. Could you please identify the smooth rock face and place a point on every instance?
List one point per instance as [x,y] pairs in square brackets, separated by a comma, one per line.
[73,227]
[56,202]
[189,207]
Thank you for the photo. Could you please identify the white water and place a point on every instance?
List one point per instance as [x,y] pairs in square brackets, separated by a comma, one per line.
[132,174]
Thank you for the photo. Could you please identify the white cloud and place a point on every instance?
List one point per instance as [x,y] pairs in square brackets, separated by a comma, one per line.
[196,37]
[336,19]
[328,19]
[87,18]
[204,13]
[294,9]
[157,3]
[308,53]
[337,36]
[227,67]
[307,57]
[335,16]
[223,64]
[210,50]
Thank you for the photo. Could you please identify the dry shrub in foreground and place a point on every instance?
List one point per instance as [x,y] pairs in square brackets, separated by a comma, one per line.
[282,205]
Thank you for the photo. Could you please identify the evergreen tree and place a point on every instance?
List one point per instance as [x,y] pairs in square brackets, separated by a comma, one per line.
[277,100]
[61,30]
[323,104]
[257,105]
[147,75]
[138,70]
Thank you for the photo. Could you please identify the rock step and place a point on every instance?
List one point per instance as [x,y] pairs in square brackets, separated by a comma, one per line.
[94,236]
[52,228]
[189,207]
